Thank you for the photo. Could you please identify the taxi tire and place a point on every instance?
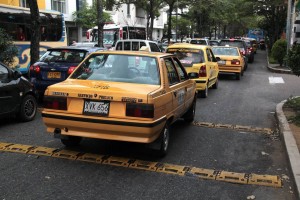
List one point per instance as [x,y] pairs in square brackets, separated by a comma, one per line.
[28,108]
[71,141]
[215,86]
[204,93]
[189,116]
[164,140]
[238,76]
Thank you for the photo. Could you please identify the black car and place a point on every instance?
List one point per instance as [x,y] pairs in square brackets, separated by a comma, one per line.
[241,44]
[17,95]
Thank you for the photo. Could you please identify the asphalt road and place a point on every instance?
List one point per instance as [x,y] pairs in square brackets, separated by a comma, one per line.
[248,102]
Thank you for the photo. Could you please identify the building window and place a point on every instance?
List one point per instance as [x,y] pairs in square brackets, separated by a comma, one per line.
[24,3]
[59,5]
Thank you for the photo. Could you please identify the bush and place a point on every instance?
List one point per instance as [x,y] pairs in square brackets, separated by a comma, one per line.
[279,50]
[7,49]
[293,59]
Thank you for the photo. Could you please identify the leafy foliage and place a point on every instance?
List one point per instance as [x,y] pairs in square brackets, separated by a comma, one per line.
[279,50]
[7,49]
[293,59]
[87,16]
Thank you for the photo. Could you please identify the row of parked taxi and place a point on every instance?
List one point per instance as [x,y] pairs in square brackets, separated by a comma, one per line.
[131,96]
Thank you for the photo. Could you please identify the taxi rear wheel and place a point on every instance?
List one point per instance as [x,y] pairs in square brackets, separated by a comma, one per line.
[238,76]
[164,141]
[71,141]
[189,116]
[204,93]
[215,86]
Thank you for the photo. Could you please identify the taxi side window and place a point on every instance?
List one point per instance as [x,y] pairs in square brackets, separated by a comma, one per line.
[182,73]
[213,58]
[172,73]
[209,58]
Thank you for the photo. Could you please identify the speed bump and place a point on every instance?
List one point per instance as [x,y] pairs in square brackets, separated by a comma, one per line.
[265,180]
[232,177]
[18,148]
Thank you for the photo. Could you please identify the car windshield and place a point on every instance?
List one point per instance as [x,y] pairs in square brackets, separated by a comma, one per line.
[225,51]
[188,57]
[63,55]
[119,68]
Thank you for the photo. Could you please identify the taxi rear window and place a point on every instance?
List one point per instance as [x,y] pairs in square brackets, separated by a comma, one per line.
[225,51]
[188,57]
[119,68]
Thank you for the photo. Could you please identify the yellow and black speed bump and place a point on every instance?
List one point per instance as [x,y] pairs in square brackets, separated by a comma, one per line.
[219,175]
[267,131]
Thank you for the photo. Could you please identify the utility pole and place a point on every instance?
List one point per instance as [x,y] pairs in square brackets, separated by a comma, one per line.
[100,22]
[288,25]
[176,21]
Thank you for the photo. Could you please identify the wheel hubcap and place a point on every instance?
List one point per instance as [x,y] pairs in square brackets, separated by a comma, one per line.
[165,139]
[29,108]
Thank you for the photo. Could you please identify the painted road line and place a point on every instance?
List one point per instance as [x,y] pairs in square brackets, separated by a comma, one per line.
[275,80]
[181,170]
[234,127]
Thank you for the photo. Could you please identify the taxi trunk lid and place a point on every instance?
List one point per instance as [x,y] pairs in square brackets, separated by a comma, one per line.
[84,96]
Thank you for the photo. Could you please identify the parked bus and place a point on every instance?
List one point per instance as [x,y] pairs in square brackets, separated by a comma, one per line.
[16,22]
[113,32]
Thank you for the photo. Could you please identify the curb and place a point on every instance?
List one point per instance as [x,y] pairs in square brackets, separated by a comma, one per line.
[290,145]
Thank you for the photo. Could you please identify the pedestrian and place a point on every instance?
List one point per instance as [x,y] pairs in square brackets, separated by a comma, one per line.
[21,34]
[43,34]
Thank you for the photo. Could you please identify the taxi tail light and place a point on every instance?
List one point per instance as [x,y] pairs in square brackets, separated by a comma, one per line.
[57,103]
[71,69]
[140,110]
[202,71]
[235,62]
[243,52]
[35,69]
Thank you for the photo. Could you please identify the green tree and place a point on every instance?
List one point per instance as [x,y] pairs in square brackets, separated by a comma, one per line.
[293,59]
[7,49]
[279,50]
[183,25]
[151,8]
[87,15]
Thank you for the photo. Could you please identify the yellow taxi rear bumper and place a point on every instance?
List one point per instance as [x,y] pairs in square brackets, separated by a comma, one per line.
[230,69]
[101,128]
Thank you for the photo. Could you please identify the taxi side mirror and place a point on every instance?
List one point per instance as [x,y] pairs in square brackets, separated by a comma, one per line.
[218,58]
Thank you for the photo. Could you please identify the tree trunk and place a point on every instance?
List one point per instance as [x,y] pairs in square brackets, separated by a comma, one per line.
[171,6]
[148,26]
[100,22]
[152,20]
[35,31]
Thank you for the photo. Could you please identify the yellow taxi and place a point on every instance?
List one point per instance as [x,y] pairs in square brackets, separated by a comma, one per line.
[121,95]
[230,60]
[200,64]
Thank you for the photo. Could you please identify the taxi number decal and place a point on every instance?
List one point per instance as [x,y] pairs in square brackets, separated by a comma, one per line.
[60,94]
[128,99]
[101,86]
[106,97]
[85,96]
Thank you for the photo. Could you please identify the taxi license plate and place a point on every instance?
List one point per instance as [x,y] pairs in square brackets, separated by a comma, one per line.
[96,108]
[53,75]
[222,62]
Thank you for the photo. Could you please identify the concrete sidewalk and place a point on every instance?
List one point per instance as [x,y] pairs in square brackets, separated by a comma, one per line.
[286,133]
